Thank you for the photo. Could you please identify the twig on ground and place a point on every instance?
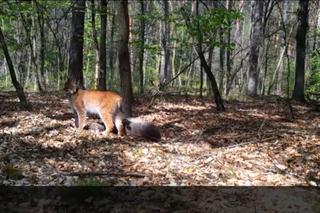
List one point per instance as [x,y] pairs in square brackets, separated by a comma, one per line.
[103,174]
[251,142]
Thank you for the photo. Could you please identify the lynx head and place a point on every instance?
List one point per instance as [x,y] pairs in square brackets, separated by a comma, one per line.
[70,87]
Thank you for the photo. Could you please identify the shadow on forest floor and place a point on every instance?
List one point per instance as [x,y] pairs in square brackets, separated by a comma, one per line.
[252,143]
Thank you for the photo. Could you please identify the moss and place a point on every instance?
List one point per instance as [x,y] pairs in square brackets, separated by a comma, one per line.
[12,172]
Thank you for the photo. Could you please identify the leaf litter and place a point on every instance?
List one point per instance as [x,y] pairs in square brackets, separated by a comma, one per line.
[251,144]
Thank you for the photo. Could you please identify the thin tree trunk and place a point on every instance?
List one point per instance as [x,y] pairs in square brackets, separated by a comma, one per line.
[111,52]
[266,62]
[15,82]
[229,61]
[42,77]
[255,41]
[221,62]
[173,61]
[201,81]
[217,97]
[142,40]
[298,92]
[95,42]
[76,44]
[60,60]
[283,47]
[124,57]
[102,73]
[34,53]
[316,27]
[276,72]
[210,60]
[31,41]
[165,74]
[28,70]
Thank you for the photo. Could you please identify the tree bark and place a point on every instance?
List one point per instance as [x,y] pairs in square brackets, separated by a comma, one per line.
[229,61]
[76,44]
[124,58]
[19,89]
[165,42]
[95,42]
[298,92]
[221,61]
[217,97]
[31,41]
[142,40]
[102,72]
[42,46]
[201,82]
[283,47]
[111,52]
[255,41]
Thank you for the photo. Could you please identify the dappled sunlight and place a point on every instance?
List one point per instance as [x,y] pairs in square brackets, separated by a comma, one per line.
[250,144]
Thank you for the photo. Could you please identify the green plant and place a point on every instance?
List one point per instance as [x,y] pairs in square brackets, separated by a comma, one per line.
[313,77]
[12,172]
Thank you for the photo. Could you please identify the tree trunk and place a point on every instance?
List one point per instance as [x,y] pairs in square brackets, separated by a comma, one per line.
[210,60]
[16,84]
[217,97]
[60,58]
[101,80]
[283,47]
[255,41]
[40,19]
[76,44]
[165,42]
[201,81]
[124,57]
[229,61]
[298,92]
[316,27]
[142,40]
[111,51]
[95,42]
[31,41]
[221,61]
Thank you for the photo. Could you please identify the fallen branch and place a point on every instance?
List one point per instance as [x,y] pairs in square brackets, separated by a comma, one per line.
[82,174]
[251,142]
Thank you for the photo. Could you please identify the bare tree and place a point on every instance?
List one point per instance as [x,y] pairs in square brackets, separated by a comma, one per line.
[124,57]
[111,50]
[207,68]
[95,42]
[101,77]
[76,44]
[298,92]
[15,82]
[40,19]
[255,41]
[142,40]
[165,72]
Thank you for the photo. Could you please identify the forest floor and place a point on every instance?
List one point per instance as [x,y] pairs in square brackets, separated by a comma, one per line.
[253,143]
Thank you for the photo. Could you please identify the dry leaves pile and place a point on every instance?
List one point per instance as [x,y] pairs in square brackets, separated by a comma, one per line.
[252,143]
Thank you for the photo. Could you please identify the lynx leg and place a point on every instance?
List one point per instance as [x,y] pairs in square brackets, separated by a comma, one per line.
[76,118]
[119,124]
[81,119]
[107,120]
